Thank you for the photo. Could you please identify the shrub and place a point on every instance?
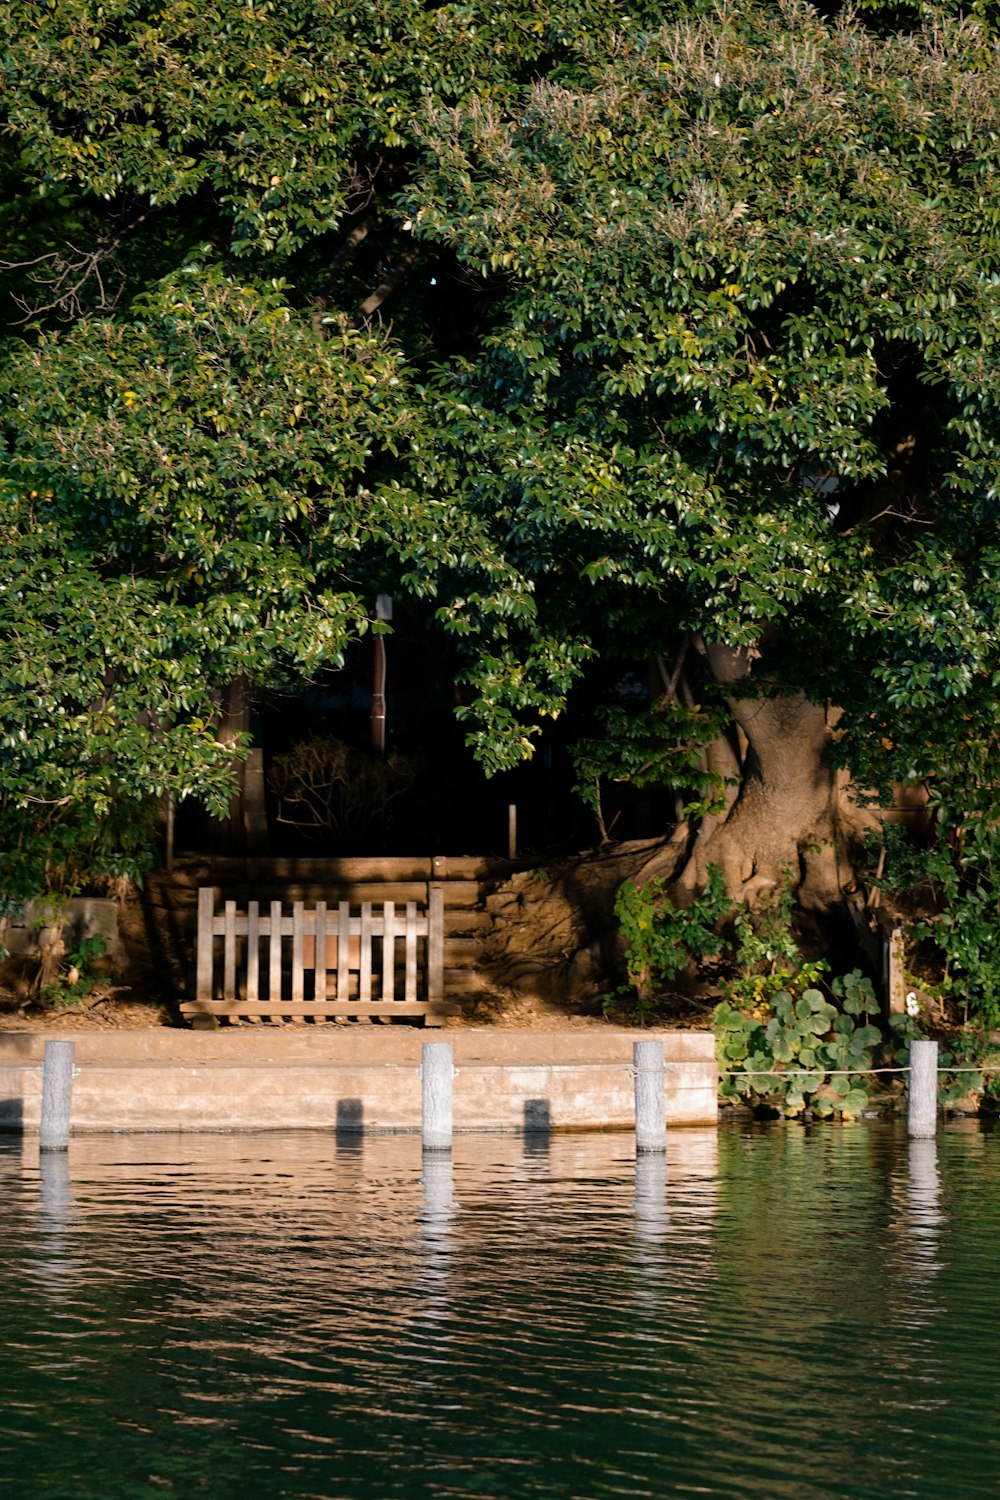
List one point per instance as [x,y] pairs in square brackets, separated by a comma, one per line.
[806,1054]
[663,939]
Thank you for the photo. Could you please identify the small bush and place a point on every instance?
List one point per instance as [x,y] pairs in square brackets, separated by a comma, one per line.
[663,939]
[805,1055]
[77,975]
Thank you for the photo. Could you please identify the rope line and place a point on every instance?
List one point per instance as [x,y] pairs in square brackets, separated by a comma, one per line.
[785,1071]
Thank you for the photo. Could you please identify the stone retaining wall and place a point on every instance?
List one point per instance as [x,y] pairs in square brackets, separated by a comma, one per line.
[244,1081]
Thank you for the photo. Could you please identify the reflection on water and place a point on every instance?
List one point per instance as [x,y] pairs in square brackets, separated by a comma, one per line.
[651,1217]
[767,1312]
[923,1194]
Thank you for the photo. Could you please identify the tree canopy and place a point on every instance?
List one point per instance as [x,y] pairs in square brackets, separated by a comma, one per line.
[602,330]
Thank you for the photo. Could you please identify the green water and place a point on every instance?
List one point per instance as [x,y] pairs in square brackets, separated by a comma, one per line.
[782,1311]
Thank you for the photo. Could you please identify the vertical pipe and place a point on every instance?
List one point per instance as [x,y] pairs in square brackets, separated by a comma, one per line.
[57,1095]
[378,699]
[168,853]
[436,1077]
[921,1104]
[650,1097]
[383,611]
[512,830]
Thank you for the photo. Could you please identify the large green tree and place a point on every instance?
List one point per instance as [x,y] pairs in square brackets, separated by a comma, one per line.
[744,394]
[192,500]
[609,333]
[203,409]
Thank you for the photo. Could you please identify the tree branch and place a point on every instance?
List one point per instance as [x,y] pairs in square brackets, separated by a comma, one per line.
[385,289]
[69,277]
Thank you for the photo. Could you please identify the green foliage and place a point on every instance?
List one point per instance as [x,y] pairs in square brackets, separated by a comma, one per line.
[856,994]
[766,955]
[99,690]
[663,746]
[172,522]
[805,1055]
[730,280]
[951,882]
[102,710]
[966,934]
[575,325]
[663,939]
[77,975]
[55,850]
[278,116]
[780,1041]
[968,1059]
[152,440]
[756,949]
[969,1065]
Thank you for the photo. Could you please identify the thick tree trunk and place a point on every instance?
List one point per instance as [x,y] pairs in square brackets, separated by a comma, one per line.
[791,816]
[788,815]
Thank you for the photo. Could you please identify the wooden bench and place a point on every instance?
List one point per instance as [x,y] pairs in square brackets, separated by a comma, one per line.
[287,960]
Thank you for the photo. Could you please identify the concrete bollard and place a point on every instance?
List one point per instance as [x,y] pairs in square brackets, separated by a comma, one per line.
[650,1097]
[436,1077]
[921,1103]
[57,1095]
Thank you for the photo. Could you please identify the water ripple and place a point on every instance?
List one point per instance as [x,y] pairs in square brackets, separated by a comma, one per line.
[772,1312]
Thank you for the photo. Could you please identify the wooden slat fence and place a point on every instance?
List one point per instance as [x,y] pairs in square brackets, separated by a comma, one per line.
[291,960]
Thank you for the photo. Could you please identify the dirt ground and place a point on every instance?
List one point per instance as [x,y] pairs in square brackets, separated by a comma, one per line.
[118,1009]
[100,1012]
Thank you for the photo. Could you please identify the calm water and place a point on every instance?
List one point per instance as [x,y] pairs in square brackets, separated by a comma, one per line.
[782,1312]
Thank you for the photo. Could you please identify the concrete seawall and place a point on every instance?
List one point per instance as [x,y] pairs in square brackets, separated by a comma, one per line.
[353,1078]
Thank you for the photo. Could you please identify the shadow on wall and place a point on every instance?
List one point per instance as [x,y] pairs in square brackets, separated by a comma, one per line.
[11,1112]
[538,1118]
[350,1124]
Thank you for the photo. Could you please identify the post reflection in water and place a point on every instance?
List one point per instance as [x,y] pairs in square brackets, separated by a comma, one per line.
[921,1224]
[675,1198]
[56,1191]
[438,1209]
[651,1215]
[432,1285]
[54,1264]
[923,1197]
